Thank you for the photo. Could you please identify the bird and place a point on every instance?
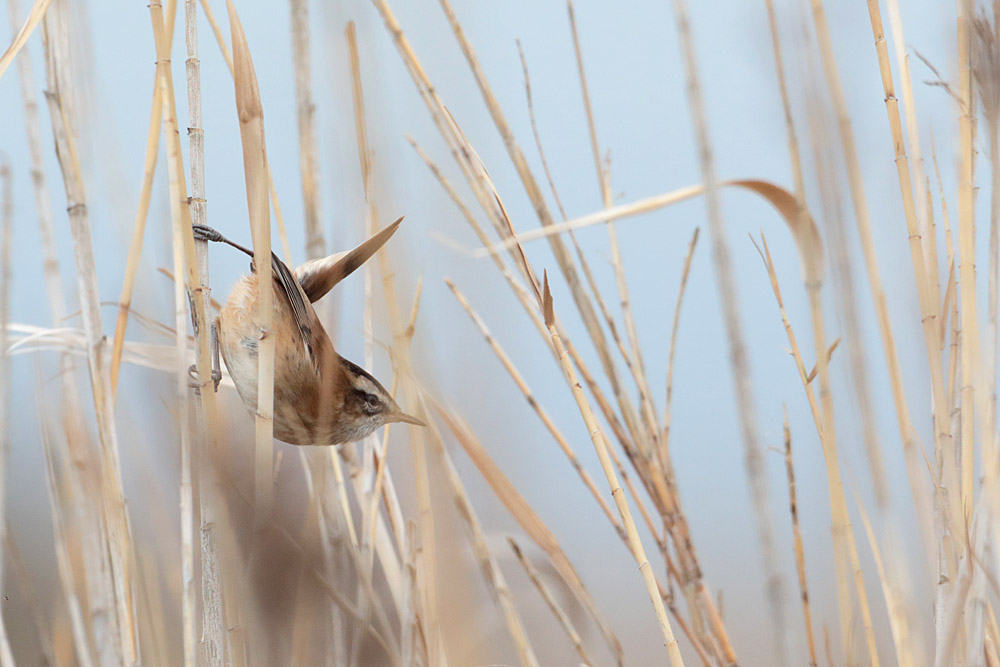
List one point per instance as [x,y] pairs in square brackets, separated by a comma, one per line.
[320,398]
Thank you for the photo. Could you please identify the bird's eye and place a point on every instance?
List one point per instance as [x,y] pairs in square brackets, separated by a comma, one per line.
[369,402]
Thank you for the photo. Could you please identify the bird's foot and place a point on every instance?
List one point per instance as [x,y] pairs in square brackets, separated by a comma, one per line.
[194,378]
[206,233]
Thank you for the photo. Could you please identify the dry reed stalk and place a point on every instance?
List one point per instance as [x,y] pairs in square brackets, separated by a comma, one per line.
[986,69]
[530,306]
[428,601]
[345,605]
[550,600]
[841,531]
[562,256]
[184,435]
[928,295]
[306,114]
[740,370]
[967,248]
[922,187]
[332,591]
[139,229]
[43,206]
[381,465]
[601,447]
[314,535]
[138,233]
[251,117]
[929,303]
[584,264]
[195,267]
[951,288]
[674,328]
[389,558]
[219,38]
[365,158]
[900,636]
[286,249]
[858,199]
[945,461]
[979,549]
[993,637]
[6,240]
[479,182]
[655,481]
[723,648]
[934,269]
[409,631]
[533,402]
[345,504]
[800,560]
[65,557]
[952,623]
[150,613]
[826,645]
[316,246]
[636,364]
[197,205]
[35,14]
[671,510]
[484,555]
[118,534]
[363,570]
[525,516]
[387,640]
[527,301]
[81,513]
[368,599]
[843,274]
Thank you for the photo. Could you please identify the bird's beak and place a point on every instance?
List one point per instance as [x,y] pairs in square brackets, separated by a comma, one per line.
[406,419]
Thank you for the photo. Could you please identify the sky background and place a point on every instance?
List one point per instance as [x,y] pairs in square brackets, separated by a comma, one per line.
[638,92]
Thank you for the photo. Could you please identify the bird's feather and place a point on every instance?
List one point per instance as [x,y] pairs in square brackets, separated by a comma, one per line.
[296,299]
[318,276]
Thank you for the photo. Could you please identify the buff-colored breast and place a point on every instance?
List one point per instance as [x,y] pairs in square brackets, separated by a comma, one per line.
[302,402]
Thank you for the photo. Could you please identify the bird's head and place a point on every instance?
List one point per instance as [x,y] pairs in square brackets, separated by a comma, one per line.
[367,405]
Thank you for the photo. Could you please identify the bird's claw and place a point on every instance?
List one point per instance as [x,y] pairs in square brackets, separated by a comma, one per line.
[194,378]
[205,233]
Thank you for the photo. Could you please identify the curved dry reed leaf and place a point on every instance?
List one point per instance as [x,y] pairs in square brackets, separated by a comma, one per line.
[802,227]
[34,16]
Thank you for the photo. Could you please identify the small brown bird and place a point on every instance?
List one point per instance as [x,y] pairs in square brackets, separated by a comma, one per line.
[320,398]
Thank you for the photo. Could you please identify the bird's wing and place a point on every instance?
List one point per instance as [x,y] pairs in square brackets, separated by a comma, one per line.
[318,276]
[296,299]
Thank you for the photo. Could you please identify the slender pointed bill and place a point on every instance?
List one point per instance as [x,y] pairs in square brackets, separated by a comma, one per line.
[407,419]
